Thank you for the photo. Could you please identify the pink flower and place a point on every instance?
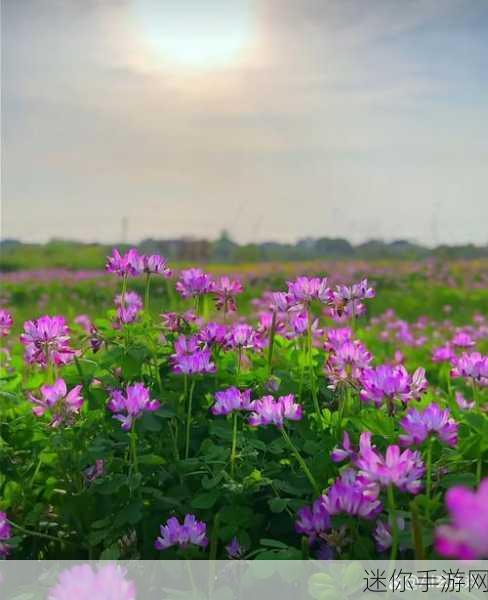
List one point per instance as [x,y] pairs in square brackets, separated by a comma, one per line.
[213,334]
[419,425]
[463,403]
[391,382]
[404,469]
[129,264]
[443,353]
[230,400]
[463,340]
[6,322]
[46,340]
[82,582]
[473,366]
[337,337]
[56,399]
[466,537]
[189,358]
[130,406]
[5,535]
[194,282]
[225,290]
[129,307]
[85,323]
[190,532]
[346,452]
[352,495]
[382,533]
[268,411]
[303,290]
[243,336]
[156,264]
[346,363]
[313,520]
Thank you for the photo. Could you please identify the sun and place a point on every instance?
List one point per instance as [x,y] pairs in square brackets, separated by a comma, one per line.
[196,34]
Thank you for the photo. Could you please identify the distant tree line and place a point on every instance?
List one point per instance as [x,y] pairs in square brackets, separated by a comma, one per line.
[15,255]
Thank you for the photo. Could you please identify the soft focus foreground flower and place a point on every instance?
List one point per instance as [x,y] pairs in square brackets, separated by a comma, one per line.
[353,496]
[129,264]
[463,340]
[443,353]
[466,537]
[6,322]
[82,582]
[5,535]
[46,340]
[473,366]
[225,290]
[194,282]
[190,532]
[404,469]
[304,289]
[156,264]
[230,400]
[432,420]
[390,382]
[56,399]
[234,548]
[313,520]
[131,405]
[268,411]
[129,307]
[346,363]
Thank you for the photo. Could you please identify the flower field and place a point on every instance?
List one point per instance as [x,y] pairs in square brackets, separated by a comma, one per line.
[148,412]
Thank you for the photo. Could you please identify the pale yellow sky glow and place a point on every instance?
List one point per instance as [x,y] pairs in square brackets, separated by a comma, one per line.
[274,119]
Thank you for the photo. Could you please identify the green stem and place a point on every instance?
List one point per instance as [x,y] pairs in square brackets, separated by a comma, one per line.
[417,533]
[124,290]
[45,536]
[310,363]
[188,420]
[301,462]
[272,332]
[146,292]
[134,463]
[234,443]
[428,491]
[394,524]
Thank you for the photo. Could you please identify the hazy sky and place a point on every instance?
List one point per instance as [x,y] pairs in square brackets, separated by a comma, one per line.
[275,119]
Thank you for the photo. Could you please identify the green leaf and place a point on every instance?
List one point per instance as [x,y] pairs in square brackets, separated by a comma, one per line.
[151,459]
[205,500]
[277,505]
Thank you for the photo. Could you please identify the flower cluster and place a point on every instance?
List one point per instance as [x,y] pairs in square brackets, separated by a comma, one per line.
[403,470]
[346,362]
[313,520]
[190,359]
[268,411]
[132,264]
[61,404]
[466,537]
[352,495]
[391,382]
[230,400]
[190,532]
[46,341]
[194,282]
[129,306]
[472,366]
[225,290]
[418,425]
[130,406]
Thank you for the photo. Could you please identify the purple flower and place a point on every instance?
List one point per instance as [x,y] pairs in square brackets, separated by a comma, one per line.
[352,495]
[313,520]
[56,399]
[303,290]
[390,382]
[466,537]
[6,322]
[193,364]
[242,336]
[473,366]
[46,340]
[129,264]
[156,264]
[5,535]
[129,307]
[268,411]
[234,548]
[85,323]
[225,290]
[230,400]
[443,353]
[344,301]
[82,582]
[347,362]
[419,425]
[194,282]
[213,334]
[190,532]
[404,469]
[382,534]
[337,337]
[463,340]
[130,406]
[95,471]
[176,322]
[463,403]
[347,452]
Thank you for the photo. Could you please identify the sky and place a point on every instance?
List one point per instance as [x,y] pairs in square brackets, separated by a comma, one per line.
[272,119]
